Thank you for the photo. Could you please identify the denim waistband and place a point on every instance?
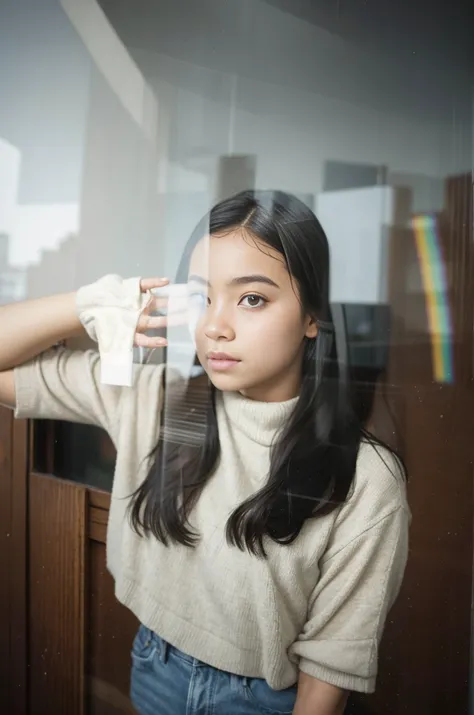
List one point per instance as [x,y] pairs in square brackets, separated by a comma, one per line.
[164,649]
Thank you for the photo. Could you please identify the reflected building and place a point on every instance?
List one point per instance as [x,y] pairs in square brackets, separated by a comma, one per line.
[13,281]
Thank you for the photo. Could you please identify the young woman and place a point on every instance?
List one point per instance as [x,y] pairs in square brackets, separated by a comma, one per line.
[257,531]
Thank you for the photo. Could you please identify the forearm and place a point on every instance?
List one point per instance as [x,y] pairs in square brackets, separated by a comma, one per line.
[29,327]
[318,698]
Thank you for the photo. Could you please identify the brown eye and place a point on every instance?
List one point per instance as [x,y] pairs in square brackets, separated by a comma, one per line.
[254,301]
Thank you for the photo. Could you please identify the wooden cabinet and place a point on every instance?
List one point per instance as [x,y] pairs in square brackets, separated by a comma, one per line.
[14,439]
[79,635]
[66,640]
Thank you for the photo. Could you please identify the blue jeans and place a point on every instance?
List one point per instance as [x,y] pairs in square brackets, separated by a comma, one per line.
[166,681]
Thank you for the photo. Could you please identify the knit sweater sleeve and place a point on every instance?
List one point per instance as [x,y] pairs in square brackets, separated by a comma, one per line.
[87,386]
[360,577]
[62,384]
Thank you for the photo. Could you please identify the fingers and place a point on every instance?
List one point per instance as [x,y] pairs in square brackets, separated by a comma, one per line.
[145,341]
[148,322]
[150,283]
[165,304]
[170,313]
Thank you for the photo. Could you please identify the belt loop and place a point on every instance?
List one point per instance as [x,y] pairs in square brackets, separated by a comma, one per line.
[164,651]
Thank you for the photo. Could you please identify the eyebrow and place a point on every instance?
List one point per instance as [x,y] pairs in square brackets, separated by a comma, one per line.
[239,280]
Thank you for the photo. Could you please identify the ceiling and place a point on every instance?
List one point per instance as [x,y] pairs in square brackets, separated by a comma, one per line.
[400,28]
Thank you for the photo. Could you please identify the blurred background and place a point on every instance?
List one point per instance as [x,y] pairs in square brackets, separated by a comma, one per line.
[121,123]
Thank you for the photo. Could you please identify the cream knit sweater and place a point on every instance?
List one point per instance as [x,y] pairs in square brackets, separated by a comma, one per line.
[318,605]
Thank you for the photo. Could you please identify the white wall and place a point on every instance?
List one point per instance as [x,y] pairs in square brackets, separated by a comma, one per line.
[86,195]
[254,80]
[44,85]
[292,133]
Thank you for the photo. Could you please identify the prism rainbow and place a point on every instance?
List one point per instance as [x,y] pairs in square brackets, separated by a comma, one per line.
[433,273]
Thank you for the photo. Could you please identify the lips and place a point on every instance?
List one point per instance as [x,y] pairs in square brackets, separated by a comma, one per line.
[221,356]
[221,361]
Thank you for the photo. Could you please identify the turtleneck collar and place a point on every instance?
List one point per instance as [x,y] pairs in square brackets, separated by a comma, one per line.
[257,420]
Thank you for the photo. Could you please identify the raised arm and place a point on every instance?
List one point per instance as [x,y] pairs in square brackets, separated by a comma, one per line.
[29,328]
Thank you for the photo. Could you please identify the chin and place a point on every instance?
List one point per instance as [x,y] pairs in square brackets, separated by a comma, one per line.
[225,383]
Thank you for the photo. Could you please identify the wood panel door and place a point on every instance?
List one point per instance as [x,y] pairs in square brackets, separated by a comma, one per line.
[79,635]
[85,635]
[65,639]
[425,665]
[14,440]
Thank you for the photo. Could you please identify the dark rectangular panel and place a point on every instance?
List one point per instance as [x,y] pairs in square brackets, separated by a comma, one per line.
[57,533]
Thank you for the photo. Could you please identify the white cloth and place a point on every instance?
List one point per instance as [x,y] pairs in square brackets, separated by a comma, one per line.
[109,310]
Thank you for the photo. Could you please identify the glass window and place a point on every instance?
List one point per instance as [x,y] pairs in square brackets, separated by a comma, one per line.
[123,122]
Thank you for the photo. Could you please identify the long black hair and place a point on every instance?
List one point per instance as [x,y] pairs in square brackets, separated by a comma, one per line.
[313,459]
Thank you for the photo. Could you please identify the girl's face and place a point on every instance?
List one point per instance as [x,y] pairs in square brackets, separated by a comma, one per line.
[249,336]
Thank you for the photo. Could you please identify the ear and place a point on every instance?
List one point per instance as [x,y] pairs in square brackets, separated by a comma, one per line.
[311,329]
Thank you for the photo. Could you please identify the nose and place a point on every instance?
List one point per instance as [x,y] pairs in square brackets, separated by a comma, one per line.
[217,324]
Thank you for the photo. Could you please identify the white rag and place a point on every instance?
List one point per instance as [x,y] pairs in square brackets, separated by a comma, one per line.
[109,310]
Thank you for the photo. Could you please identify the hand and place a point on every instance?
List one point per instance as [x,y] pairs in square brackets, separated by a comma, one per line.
[158,304]
[316,697]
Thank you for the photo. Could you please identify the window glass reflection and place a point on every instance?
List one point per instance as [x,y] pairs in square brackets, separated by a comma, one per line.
[122,125]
